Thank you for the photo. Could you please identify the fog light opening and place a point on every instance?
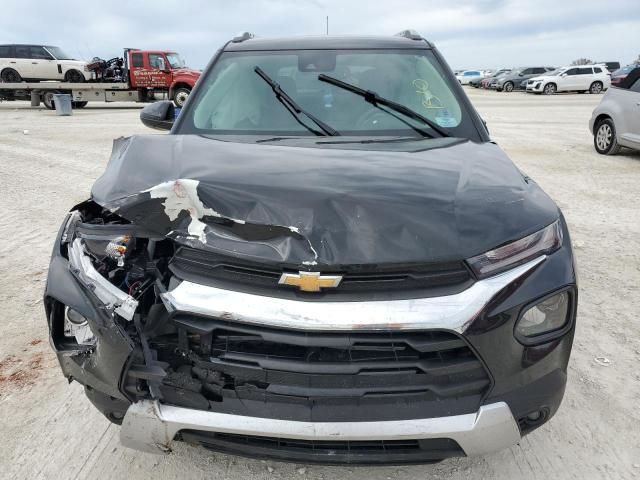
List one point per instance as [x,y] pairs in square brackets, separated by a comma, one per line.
[533,420]
[76,326]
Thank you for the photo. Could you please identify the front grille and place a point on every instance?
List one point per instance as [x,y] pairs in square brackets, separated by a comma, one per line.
[212,269]
[323,451]
[309,375]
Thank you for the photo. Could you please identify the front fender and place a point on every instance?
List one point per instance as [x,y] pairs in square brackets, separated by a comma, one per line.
[98,366]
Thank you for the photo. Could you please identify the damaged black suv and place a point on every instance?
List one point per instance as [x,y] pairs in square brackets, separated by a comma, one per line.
[326,260]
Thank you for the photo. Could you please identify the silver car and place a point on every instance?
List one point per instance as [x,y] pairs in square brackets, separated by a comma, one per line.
[615,123]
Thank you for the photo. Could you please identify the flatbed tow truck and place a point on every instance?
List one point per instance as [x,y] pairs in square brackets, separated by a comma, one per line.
[138,76]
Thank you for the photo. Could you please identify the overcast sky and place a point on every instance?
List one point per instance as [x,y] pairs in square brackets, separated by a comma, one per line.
[470,33]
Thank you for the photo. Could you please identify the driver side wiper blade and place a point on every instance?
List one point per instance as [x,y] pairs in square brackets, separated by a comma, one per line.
[293,107]
[376,100]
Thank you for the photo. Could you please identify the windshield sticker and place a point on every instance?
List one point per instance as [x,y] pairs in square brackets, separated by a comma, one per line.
[429,100]
[444,118]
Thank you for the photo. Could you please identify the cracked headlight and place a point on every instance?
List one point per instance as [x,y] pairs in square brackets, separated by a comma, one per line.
[116,248]
[542,242]
[113,298]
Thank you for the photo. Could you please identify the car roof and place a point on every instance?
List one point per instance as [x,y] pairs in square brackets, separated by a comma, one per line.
[327,43]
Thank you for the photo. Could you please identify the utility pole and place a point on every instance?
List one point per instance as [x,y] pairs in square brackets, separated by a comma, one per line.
[327,24]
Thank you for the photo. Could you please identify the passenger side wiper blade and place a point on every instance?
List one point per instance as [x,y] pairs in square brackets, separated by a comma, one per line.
[376,100]
[290,104]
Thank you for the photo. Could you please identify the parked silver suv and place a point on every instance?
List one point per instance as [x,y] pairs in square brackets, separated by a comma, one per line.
[615,123]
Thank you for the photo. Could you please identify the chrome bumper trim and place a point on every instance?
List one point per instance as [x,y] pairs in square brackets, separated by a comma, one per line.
[452,312]
[151,427]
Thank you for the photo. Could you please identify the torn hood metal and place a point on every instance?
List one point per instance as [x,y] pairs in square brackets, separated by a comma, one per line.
[314,206]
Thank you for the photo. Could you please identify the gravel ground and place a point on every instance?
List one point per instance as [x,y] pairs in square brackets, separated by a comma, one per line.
[50,430]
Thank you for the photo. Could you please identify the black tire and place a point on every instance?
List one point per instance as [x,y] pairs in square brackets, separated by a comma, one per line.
[604,138]
[508,87]
[550,89]
[180,96]
[9,75]
[79,104]
[74,76]
[595,88]
[47,100]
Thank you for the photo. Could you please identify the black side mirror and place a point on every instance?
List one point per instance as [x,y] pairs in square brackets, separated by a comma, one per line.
[158,115]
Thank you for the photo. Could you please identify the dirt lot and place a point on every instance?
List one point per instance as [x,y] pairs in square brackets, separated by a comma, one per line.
[50,430]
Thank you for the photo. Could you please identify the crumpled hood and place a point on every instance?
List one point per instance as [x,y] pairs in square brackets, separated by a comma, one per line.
[308,206]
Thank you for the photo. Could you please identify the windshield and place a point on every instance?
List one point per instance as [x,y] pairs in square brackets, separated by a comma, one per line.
[556,72]
[59,54]
[175,60]
[233,99]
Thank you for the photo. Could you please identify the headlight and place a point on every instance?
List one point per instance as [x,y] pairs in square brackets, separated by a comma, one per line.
[116,248]
[543,242]
[113,298]
[546,316]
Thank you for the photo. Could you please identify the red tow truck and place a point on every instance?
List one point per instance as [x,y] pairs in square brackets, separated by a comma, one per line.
[137,76]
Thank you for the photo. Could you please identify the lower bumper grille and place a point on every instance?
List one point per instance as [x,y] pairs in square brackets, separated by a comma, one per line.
[312,451]
[308,376]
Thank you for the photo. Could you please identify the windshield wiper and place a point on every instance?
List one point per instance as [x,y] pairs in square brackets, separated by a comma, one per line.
[376,100]
[293,108]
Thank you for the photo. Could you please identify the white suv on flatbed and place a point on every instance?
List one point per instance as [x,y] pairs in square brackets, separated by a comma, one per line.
[584,78]
[37,62]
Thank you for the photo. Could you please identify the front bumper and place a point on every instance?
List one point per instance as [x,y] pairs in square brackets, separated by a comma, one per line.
[523,379]
[535,87]
[151,427]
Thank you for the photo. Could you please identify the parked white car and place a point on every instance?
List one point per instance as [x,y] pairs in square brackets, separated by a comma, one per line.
[615,123]
[38,62]
[465,77]
[584,78]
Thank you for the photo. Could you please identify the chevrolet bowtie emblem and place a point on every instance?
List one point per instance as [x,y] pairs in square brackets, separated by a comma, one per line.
[310,281]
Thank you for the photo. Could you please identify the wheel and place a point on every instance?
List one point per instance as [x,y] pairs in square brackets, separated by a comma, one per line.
[79,104]
[47,100]
[9,75]
[508,87]
[596,87]
[550,89]
[74,76]
[180,96]
[604,138]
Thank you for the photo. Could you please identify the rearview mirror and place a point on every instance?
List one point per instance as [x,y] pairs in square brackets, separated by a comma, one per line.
[158,115]
[563,75]
[521,74]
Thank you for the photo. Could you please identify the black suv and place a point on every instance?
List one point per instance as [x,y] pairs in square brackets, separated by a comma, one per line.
[517,78]
[326,260]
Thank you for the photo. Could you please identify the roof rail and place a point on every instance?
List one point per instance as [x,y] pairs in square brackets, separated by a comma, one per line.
[242,37]
[410,34]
